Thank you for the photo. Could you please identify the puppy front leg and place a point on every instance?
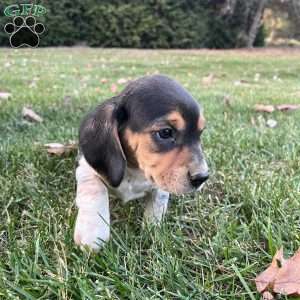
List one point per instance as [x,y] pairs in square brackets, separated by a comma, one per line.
[92,223]
[156,206]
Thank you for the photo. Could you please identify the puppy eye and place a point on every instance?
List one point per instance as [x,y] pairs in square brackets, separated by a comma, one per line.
[165,133]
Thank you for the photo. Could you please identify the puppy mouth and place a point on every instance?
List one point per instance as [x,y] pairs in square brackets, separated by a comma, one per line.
[179,187]
[181,190]
[176,190]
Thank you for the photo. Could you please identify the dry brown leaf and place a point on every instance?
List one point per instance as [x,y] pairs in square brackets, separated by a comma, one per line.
[288,278]
[267,296]
[266,279]
[270,108]
[264,108]
[209,79]
[281,277]
[60,149]
[4,95]
[30,115]
[241,82]
[113,88]
[284,107]
[122,81]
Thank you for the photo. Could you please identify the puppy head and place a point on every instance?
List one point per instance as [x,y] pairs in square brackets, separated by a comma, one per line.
[162,135]
[154,125]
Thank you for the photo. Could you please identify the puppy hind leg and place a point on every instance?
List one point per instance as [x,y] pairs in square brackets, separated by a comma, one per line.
[156,206]
[92,223]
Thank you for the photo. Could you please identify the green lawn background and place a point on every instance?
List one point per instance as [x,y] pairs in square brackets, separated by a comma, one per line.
[211,245]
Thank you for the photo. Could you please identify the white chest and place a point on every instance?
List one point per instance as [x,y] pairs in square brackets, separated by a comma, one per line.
[133,186]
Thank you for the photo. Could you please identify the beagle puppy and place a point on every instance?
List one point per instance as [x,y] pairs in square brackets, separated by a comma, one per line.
[143,143]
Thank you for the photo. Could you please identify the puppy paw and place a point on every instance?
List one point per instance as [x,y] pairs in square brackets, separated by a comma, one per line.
[91,231]
[156,207]
[151,218]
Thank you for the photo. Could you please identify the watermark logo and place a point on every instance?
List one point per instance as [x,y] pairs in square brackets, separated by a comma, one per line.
[24,29]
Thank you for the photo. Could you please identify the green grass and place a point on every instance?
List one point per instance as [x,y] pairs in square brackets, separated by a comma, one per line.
[211,245]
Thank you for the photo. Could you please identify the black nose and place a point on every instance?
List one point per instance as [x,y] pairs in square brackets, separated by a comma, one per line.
[197,179]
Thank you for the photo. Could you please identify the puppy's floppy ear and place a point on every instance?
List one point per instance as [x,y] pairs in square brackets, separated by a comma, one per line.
[100,144]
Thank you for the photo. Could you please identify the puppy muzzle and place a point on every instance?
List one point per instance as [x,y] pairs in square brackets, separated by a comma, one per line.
[198,174]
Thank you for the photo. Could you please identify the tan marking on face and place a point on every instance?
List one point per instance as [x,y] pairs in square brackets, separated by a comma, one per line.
[168,170]
[176,119]
[201,122]
[130,142]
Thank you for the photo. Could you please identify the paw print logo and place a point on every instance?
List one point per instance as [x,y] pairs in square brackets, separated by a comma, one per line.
[24,32]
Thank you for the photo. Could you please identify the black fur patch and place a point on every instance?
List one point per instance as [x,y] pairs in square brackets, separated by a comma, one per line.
[100,143]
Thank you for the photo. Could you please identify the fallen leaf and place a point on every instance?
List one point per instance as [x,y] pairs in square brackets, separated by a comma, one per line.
[209,79]
[241,82]
[270,108]
[271,123]
[268,296]
[30,115]
[60,149]
[4,95]
[266,279]
[264,108]
[288,278]
[113,88]
[285,107]
[122,81]
[281,277]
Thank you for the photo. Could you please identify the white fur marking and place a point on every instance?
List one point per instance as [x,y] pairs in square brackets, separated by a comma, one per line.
[156,206]
[92,223]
